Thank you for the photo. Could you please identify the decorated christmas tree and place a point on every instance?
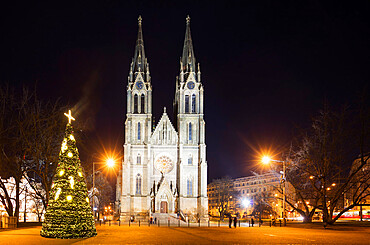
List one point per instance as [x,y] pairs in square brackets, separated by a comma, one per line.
[68,214]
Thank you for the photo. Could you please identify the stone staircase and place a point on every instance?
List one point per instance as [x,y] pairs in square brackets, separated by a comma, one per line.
[163,218]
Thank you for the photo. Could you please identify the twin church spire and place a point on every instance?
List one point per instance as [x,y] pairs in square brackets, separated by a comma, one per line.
[139,63]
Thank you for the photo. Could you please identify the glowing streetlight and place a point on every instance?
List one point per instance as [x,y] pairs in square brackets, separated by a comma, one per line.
[110,163]
[266,160]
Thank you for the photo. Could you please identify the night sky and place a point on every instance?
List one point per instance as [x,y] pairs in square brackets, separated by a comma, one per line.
[267,66]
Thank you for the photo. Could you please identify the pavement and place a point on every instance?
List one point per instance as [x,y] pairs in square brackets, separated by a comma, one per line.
[200,235]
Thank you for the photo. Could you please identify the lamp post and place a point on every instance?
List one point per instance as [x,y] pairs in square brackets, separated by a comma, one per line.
[267,160]
[110,164]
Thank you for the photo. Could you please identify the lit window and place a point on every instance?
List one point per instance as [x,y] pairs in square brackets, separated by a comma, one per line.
[138,160]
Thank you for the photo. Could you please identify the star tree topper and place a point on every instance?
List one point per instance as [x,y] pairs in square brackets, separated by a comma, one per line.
[69,115]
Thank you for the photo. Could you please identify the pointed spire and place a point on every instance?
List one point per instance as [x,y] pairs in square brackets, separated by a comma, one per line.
[139,61]
[188,58]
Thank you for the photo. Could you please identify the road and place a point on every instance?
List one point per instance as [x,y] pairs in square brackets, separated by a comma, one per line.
[196,235]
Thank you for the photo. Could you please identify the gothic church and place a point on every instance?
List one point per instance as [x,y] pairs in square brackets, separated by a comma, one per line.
[164,171]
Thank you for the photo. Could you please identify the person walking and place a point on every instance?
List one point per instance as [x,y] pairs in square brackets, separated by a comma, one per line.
[235,221]
[230,221]
[252,221]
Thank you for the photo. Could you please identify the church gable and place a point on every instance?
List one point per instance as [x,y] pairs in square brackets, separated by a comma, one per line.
[164,133]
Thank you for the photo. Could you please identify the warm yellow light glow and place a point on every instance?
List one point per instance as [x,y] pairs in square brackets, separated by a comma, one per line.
[87,199]
[276,195]
[333,184]
[311,177]
[110,162]
[69,198]
[70,154]
[57,194]
[71,181]
[64,145]
[69,115]
[328,188]
[72,137]
[61,172]
[266,160]
[307,203]
[80,174]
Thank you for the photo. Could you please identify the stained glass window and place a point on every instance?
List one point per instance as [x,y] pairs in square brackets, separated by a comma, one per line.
[136,102]
[190,131]
[138,184]
[138,131]
[186,103]
[189,188]
[142,103]
[193,103]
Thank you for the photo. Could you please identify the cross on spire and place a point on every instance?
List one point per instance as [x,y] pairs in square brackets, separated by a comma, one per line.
[69,115]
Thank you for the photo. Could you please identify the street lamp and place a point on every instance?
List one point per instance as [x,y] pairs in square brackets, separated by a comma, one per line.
[266,160]
[110,163]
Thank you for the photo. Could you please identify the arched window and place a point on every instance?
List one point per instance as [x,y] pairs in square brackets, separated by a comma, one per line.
[138,160]
[186,103]
[138,131]
[190,131]
[138,184]
[189,188]
[136,103]
[193,103]
[142,104]
[190,160]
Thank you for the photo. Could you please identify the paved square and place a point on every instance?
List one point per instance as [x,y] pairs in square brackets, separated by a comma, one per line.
[203,235]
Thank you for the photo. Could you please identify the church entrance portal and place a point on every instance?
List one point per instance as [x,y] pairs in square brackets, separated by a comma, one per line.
[164,207]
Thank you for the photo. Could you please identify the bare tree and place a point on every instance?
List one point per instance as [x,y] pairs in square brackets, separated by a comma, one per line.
[30,134]
[320,167]
[225,195]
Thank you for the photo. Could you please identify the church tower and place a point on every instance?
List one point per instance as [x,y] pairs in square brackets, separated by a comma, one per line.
[164,172]
[192,164]
[138,130]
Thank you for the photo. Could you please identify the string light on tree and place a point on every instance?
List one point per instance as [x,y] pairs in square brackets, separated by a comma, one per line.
[68,214]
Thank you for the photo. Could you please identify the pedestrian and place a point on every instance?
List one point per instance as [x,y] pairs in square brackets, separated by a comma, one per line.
[252,221]
[230,221]
[235,221]
[155,220]
[151,220]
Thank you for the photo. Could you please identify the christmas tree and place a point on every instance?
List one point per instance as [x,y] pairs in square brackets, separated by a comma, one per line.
[68,214]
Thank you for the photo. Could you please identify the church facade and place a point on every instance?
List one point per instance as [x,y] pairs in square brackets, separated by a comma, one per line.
[164,171]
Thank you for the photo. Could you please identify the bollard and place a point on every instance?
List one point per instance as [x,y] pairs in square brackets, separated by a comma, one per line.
[188,223]
[100,222]
[168,222]
[179,223]
[129,222]
[149,223]
[109,222]
[218,223]
[239,223]
[280,222]
[208,223]
[139,223]
[119,222]
[158,223]
[199,222]
[270,223]
[249,223]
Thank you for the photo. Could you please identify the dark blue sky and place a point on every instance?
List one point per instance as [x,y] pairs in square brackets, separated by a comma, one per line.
[267,66]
